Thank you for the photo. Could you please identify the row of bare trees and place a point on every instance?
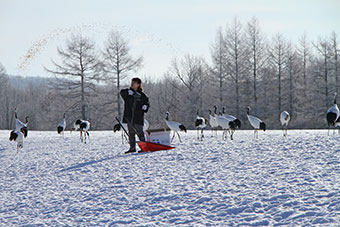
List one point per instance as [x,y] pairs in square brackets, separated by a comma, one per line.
[82,68]
[246,68]
[273,75]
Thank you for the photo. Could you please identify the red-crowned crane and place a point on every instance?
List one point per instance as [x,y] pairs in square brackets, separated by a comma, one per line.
[61,126]
[285,118]
[256,123]
[200,125]
[20,131]
[333,114]
[212,121]
[82,126]
[174,126]
[227,125]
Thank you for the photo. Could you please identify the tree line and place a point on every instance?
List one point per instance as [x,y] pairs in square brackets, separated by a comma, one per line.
[246,68]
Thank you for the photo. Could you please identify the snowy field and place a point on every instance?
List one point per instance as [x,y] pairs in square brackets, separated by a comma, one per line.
[271,181]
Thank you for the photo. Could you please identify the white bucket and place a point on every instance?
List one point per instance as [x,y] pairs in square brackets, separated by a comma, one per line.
[160,136]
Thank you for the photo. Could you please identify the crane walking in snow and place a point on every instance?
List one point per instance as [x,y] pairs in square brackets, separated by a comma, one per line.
[20,131]
[227,125]
[236,121]
[61,126]
[333,114]
[82,126]
[256,123]
[213,122]
[200,125]
[284,118]
[175,127]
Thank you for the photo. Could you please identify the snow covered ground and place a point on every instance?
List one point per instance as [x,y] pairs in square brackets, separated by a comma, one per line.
[271,181]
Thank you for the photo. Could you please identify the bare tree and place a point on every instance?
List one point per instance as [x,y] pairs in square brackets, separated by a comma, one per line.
[4,99]
[278,57]
[323,49]
[219,59]
[257,53]
[78,72]
[293,69]
[335,59]
[191,72]
[118,62]
[236,52]
[3,79]
[304,53]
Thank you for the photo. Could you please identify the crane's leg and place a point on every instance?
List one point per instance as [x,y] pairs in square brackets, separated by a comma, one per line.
[198,134]
[173,136]
[202,135]
[85,137]
[179,137]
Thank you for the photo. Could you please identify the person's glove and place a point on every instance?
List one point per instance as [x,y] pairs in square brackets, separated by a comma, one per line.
[130,92]
[144,107]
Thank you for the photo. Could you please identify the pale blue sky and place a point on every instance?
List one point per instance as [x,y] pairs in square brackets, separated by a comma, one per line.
[158,30]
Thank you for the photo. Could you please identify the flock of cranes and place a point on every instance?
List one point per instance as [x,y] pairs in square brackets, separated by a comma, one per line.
[228,123]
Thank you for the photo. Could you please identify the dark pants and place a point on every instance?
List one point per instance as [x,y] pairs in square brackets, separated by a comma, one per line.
[133,130]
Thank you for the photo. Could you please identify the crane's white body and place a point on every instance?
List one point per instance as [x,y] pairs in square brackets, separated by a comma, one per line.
[224,123]
[174,126]
[229,117]
[213,121]
[19,140]
[19,124]
[20,128]
[254,122]
[77,125]
[333,114]
[285,118]
[62,124]
[334,109]
[201,126]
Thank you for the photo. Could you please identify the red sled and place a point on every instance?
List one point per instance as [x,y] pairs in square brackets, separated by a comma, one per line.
[149,146]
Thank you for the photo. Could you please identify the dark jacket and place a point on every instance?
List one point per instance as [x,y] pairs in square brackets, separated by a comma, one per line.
[133,104]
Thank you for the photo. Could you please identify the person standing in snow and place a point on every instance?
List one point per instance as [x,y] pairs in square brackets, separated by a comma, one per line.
[136,103]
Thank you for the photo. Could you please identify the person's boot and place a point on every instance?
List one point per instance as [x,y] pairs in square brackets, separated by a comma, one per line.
[130,151]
